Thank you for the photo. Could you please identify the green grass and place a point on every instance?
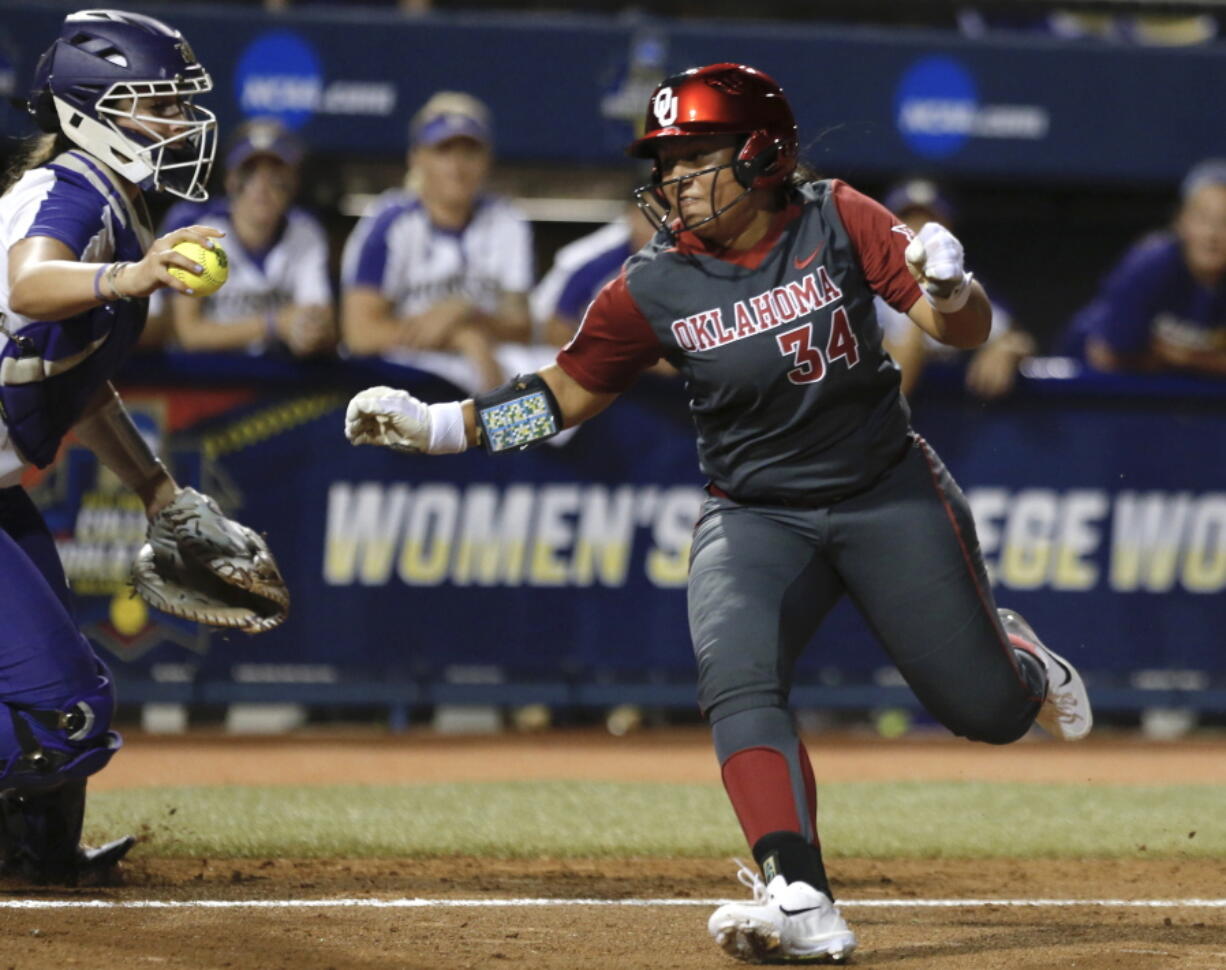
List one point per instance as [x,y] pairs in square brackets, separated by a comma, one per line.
[582,819]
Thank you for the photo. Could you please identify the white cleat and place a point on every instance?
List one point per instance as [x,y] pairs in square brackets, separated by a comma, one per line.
[1065,713]
[786,922]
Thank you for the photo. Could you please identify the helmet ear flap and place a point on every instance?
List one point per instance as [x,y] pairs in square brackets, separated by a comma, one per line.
[41,103]
[42,107]
[762,162]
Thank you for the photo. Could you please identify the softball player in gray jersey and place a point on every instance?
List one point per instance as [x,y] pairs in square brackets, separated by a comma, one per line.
[759,289]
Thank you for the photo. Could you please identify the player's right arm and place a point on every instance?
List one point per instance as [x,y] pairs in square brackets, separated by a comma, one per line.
[371,326]
[196,332]
[613,345]
[47,282]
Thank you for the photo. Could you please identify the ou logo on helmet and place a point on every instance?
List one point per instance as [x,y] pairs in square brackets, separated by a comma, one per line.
[665,107]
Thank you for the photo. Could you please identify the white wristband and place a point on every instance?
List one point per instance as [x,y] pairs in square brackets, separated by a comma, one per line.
[447,434]
[956,300]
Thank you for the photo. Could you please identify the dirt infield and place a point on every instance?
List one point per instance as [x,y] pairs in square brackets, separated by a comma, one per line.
[902,932]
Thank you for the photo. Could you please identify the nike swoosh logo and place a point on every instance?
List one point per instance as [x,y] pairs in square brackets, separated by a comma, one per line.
[1068,674]
[796,912]
[802,263]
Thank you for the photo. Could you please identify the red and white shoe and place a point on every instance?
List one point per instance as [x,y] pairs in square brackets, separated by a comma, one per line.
[1066,712]
[788,922]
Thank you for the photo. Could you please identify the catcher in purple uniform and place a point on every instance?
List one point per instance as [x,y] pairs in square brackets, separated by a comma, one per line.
[113,96]
[759,289]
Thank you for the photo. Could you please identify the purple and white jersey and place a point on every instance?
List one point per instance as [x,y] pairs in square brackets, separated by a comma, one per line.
[1151,293]
[396,249]
[78,201]
[896,325]
[291,271]
[579,270]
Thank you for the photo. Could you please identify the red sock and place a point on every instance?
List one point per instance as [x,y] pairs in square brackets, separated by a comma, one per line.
[759,786]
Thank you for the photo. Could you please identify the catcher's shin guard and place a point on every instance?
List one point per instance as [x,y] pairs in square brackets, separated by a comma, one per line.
[42,746]
[40,836]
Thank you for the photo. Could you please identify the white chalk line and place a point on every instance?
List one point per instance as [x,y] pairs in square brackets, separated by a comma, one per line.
[419,903]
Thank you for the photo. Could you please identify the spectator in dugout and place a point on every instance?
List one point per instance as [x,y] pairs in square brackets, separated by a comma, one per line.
[436,275]
[580,269]
[991,369]
[1163,307]
[278,295]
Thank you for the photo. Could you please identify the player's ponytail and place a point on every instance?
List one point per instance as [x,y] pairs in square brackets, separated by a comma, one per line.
[804,173]
[35,151]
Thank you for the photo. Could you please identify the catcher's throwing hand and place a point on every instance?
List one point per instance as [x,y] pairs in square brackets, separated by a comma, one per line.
[396,419]
[936,260]
[201,566]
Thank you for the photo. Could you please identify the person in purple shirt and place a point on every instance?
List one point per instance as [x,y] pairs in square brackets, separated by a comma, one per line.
[113,97]
[1163,307]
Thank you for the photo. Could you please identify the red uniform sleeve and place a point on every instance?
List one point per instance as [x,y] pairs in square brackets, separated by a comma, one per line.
[613,344]
[879,240]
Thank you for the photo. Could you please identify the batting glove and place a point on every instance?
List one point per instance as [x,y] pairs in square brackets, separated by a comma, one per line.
[395,419]
[935,259]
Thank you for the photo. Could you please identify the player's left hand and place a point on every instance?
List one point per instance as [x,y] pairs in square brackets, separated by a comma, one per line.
[200,565]
[936,260]
[389,417]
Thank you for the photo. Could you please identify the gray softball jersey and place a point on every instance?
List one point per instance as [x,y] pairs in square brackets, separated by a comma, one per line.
[792,394]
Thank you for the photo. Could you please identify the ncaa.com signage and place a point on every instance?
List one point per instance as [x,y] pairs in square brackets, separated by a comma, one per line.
[937,109]
[279,74]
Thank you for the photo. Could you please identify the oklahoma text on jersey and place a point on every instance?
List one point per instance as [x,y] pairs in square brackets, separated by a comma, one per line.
[763,311]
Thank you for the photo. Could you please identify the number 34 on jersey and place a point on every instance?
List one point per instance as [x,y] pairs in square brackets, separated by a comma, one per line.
[774,309]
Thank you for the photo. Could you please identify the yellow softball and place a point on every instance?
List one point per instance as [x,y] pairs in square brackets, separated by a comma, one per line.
[216,267]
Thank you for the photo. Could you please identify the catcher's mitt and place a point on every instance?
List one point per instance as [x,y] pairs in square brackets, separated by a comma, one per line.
[201,566]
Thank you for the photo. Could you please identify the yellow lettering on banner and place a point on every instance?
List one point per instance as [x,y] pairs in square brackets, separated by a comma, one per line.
[363,527]
[426,554]
[554,533]
[605,536]
[1148,529]
[1026,557]
[545,567]
[1078,539]
[491,545]
[1204,563]
[668,562]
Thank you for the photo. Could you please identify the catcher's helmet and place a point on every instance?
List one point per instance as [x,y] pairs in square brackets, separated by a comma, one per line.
[725,99]
[100,68]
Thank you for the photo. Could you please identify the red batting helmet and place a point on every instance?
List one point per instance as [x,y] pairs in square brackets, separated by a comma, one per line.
[723,99]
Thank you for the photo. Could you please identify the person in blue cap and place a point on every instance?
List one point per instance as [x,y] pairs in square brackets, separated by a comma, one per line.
[991,369]
[1163,306]
[436,275]
[279,294]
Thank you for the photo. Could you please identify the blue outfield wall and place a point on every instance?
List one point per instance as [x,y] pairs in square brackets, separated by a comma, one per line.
[557,575]
[569,89]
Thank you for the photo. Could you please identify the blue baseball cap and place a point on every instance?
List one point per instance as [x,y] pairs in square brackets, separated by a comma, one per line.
[263,136]
[451,114]
[1212,171]
[918,194]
